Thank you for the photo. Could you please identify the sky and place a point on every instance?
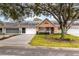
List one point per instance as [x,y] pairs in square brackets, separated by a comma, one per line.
[42,17]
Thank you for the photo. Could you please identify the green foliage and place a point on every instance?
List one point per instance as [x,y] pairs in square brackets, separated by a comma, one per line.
[16,11]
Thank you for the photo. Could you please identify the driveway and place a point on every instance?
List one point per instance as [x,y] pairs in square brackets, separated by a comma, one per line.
[20,40]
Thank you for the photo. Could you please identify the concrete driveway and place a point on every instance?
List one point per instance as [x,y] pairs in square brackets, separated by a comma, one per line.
[20,40]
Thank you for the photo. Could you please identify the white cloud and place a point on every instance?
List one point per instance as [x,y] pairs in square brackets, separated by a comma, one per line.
[40,17]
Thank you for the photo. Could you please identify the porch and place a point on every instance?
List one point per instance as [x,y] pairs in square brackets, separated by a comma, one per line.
[46,30]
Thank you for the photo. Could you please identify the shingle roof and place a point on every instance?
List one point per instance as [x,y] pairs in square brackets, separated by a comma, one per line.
[16,24]
[30,24]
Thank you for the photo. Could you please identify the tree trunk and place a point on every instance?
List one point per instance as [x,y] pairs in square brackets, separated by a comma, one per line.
[63,32]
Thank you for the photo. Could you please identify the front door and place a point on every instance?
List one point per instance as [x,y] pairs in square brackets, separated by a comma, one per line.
[0,30]
[23,30]
[52,30]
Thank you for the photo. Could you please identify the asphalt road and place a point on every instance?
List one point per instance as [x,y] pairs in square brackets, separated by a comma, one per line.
[22,51]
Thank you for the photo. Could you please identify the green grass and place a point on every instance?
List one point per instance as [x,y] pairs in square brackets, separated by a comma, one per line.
[40,40]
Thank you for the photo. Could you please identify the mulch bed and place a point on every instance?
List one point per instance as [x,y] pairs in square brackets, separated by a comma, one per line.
[61,40]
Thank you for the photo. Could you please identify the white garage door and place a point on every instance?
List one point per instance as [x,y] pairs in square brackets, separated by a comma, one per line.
[73,32]
[30,31]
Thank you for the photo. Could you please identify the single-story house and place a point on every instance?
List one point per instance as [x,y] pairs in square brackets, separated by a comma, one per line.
[14,28]
[32,27]
[47,26]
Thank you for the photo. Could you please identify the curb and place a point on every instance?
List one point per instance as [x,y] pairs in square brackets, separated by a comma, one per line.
[57,48]
[42,47]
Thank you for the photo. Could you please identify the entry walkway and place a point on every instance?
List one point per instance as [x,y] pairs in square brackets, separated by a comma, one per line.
[20,40]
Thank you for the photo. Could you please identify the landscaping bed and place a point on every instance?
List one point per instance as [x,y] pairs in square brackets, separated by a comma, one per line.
[52,40]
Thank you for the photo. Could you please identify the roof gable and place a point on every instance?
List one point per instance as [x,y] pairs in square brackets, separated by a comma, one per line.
[46,23]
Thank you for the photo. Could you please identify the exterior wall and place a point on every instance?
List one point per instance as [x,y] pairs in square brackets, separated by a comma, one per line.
[56,30]
[20,30]
[4,30]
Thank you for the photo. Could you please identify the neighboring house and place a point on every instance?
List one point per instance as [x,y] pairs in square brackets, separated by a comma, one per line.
[14,28]
[33,27]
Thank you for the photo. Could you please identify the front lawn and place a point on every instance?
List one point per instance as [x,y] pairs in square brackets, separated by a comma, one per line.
[49,41]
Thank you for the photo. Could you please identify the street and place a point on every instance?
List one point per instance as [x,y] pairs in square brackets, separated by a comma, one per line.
[22,51]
